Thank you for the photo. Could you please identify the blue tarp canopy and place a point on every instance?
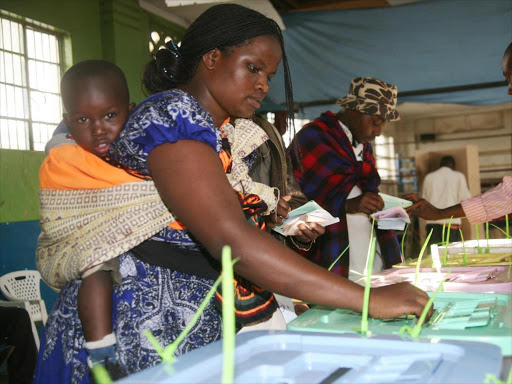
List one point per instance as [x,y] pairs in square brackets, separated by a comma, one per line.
[443,45]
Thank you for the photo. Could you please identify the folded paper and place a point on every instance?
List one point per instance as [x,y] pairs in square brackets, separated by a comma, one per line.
[310,212]
[392,218]
[393,201]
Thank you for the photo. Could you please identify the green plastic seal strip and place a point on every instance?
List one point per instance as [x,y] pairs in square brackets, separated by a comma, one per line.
[416,330]
[418,263]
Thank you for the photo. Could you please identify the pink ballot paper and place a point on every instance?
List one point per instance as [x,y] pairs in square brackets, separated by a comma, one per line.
[392,218]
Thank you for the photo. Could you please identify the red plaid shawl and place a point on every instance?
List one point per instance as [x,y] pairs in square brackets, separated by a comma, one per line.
[326,168]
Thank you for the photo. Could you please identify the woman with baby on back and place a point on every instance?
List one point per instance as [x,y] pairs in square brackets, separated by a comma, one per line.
[193,140]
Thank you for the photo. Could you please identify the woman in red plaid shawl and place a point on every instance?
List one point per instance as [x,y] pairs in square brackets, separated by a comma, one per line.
[334,165]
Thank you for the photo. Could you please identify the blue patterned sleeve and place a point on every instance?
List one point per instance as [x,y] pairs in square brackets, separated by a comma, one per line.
[162,118]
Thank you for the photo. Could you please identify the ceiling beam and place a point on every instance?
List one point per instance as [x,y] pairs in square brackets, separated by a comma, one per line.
[149,6]
[327,5]
[420,92]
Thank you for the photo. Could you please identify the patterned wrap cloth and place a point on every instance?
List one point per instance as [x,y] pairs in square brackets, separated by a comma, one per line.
[326,168]
[244,138]
[97,220]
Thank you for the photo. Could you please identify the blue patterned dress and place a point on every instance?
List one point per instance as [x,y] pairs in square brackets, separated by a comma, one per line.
[150,297]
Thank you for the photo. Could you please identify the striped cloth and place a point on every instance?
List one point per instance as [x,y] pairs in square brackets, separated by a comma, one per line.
[91,212]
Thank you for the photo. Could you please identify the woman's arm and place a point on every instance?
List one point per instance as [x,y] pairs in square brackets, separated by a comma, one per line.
[490,205]
[192,183]
[494,203]
[422,208]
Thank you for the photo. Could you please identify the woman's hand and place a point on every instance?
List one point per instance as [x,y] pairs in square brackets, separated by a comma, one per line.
[368,203]
[309,232]
[421,208]
[411,197]
[300,308]
[397,300]
[281,212]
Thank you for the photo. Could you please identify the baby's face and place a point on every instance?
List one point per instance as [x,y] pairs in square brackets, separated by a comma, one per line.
[96,114]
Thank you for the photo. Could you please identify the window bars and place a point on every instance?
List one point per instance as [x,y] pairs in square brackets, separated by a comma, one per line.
[30,72]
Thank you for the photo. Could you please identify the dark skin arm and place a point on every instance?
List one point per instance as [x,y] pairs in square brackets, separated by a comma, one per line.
[188,172]
[422,208]
[368,202]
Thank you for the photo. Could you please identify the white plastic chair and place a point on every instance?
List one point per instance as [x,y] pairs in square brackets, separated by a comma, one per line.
[22,289]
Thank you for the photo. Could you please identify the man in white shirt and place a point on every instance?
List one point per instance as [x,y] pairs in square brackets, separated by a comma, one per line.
[444,188]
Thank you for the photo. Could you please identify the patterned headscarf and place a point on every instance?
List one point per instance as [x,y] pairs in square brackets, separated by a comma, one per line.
[373,97]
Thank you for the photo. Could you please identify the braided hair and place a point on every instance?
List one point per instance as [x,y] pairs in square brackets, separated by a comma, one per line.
[223,26]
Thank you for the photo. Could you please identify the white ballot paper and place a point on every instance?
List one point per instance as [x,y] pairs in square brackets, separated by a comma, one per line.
[392,218]
[393,201]
[310,212]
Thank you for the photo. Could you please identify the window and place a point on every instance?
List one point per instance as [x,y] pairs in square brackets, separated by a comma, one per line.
[385,157]
[155,40]
[288,136]
[31,67]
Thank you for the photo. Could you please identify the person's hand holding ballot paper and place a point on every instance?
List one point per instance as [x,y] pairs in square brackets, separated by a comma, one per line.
[393,215]
[310,212]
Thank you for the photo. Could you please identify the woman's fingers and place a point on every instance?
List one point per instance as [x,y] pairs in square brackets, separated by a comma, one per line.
[397,300]
[411,197]
[371,203]
[417,205]
[309,232]
[282,209]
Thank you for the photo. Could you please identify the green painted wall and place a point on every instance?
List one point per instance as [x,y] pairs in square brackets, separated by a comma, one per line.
[114,30]
[125,31]
[125,34]
[19,183]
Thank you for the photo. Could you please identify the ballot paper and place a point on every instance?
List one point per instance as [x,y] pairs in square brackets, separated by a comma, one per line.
[393,201]
[286,306]
[310,212]
[392,218]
